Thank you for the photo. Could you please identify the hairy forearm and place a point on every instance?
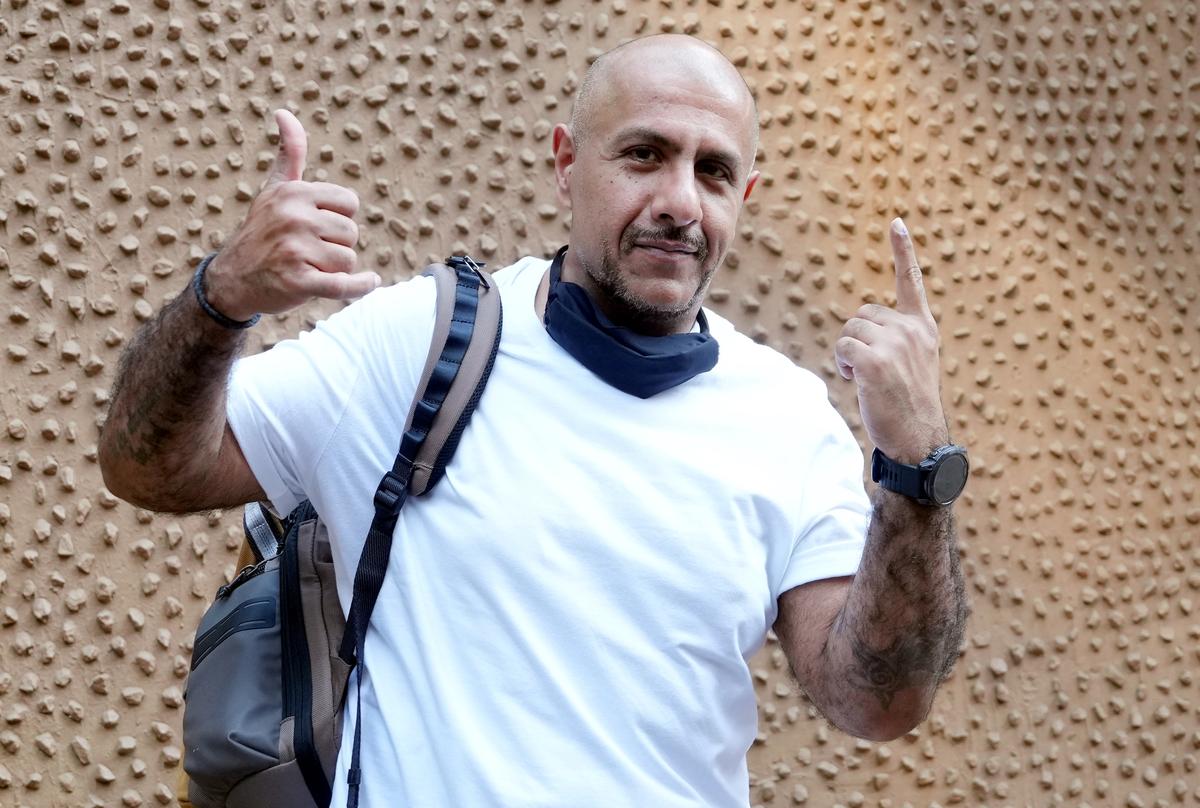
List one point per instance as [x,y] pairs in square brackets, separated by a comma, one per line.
[167,416]
[898,634]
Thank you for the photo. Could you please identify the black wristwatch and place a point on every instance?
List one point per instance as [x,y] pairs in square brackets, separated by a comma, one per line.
[936,480]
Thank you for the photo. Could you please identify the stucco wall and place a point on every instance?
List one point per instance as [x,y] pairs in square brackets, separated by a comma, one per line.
[1045,155]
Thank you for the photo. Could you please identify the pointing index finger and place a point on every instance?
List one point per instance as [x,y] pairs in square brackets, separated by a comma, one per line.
[910,286]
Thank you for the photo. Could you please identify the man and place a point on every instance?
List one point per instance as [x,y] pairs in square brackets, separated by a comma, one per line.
[642,493]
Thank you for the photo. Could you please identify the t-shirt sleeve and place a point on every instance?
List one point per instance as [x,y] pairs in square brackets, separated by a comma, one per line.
[284,404]
[835,509]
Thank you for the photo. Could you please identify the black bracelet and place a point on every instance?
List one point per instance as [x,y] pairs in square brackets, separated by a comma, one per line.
[221,319]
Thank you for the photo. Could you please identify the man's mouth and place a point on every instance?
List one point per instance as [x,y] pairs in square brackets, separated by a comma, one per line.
[670,247]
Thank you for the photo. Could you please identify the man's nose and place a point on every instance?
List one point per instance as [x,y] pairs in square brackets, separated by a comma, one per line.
[677,199]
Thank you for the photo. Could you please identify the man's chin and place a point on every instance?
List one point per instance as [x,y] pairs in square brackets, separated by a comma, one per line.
[649,293]
[664,298]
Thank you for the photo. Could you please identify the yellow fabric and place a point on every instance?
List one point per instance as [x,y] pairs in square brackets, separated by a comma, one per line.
[181,790]
[246,556]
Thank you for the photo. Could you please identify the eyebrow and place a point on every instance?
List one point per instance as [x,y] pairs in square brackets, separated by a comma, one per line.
[644,134]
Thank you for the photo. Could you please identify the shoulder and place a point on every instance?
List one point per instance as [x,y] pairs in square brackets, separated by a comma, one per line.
[392,306]
[401,316]
[412,302]
[749,363]
[522,275]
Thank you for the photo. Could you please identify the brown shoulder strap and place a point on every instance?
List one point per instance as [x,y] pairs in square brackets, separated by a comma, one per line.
[472,374]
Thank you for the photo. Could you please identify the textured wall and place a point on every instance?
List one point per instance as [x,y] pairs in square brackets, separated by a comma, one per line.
[1046,156]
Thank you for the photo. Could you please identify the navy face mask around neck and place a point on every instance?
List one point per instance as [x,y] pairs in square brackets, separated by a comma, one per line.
[633,363]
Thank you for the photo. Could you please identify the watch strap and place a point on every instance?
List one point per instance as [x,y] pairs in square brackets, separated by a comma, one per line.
[897,477]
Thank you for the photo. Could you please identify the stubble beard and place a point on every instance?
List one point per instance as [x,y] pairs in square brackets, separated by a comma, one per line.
[625,307]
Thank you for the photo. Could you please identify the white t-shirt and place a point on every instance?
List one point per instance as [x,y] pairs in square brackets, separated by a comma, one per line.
[567,619]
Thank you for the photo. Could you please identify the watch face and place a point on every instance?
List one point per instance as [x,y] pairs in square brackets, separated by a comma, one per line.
[949,479]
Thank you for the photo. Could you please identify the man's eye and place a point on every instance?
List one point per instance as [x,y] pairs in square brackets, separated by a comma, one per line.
[714,170]
[641,153]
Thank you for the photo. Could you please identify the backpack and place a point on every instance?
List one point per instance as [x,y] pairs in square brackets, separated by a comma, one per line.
[262,722]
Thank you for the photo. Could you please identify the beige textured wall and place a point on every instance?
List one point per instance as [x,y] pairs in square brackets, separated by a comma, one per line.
[1046,155]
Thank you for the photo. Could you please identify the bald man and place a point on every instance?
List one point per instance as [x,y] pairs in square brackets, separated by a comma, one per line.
[642,494]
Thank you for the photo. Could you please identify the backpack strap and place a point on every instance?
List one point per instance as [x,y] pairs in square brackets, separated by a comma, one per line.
[264,533]
[429,461]
[466,337]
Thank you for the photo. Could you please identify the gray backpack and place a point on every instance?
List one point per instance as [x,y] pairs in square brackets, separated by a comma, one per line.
[272,656]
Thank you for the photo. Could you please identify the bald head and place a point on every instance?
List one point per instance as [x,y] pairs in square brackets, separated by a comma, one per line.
[655,167]
[640,63]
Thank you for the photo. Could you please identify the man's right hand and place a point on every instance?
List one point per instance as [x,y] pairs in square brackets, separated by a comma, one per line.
[296,243]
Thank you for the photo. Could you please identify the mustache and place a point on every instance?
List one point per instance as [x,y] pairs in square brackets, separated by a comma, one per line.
[694,239]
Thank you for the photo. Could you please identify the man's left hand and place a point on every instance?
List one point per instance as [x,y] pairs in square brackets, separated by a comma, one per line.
[892,355]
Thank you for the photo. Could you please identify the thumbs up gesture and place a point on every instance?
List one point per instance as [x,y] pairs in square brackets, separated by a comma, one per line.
[296,242]
[892,356]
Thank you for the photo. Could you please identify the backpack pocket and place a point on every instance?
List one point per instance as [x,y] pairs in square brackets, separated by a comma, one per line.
[234,700]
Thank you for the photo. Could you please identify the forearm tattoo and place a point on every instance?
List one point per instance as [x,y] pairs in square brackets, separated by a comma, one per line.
[905,622]
[168,399]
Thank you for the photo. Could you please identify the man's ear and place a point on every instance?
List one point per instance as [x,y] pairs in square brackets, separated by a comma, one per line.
[564,159]
[750,183]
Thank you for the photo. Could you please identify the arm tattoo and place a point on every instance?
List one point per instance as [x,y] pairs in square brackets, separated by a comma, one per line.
[167,410]
[882,673]
[905,618]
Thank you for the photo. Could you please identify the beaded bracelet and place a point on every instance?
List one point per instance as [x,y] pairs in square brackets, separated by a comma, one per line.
[221,319]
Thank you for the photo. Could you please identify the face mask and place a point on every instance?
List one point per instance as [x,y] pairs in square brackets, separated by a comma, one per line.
[633,363]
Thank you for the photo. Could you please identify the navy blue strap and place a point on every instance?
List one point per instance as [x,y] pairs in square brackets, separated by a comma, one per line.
[393,492]
[202,299]
[895,476]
